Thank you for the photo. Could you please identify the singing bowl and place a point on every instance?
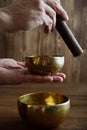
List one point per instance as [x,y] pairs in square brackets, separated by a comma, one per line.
[43,110]
[44,64]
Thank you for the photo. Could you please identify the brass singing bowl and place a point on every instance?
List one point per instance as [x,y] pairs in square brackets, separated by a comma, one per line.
[44,64]
[43,110]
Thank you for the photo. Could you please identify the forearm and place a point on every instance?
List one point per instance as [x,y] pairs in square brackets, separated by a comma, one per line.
[4,20]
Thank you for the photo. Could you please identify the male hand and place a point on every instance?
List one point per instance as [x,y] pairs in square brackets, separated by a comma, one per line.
[14,72]
[29,14]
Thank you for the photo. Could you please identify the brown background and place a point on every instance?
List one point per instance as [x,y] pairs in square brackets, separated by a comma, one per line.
[20,44]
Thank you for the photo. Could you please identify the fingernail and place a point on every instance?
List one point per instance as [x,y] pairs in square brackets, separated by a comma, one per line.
[66,16]
[51,78]
[64,76]
[46,30]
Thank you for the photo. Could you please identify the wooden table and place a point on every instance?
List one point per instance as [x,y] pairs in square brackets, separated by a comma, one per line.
[9,116]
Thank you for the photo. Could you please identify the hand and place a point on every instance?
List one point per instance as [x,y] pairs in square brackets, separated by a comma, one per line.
[13,72]
[28,14]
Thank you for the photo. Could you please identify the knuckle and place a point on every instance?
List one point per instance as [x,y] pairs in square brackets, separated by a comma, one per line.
[56,2]
[54,14]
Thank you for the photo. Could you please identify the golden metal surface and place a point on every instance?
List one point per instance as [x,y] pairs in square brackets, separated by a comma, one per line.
[46,110]
[44,64]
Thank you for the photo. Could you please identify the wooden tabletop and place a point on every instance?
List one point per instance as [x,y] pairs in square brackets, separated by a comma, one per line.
[9,116]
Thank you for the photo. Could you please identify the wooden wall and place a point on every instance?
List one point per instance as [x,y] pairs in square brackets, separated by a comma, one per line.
[35,42]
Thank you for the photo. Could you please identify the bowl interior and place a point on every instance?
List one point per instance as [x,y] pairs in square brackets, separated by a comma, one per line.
[43,110]
[46,99]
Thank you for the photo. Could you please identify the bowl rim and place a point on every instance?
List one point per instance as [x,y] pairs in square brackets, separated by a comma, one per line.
[45,56]
[61,104]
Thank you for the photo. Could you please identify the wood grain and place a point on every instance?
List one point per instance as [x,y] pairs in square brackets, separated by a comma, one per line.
[36,42]
[9,116]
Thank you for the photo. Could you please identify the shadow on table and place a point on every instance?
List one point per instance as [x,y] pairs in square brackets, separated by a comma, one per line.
[17,124]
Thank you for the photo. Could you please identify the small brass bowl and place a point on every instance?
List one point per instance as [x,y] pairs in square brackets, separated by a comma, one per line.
[43,110]
[44,64]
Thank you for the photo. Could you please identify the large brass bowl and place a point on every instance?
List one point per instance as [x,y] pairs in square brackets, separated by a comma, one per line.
[44,110]
[44,64]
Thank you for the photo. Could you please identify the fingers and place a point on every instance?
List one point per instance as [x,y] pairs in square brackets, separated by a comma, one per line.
[9,63]
[28,77]
[52,18]
[59,77]
[48,23]
[58,8]
[41,79]
[51,8]
[22,64]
